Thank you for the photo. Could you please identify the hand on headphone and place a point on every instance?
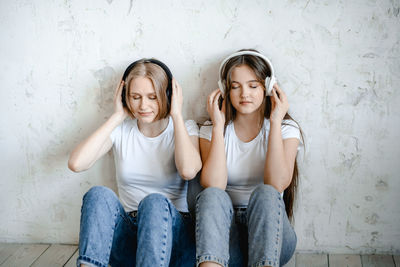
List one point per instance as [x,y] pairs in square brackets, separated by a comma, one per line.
[118,106]
[217,116]
[279,104]
[176,99]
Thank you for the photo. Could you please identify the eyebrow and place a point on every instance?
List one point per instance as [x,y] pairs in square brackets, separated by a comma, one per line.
[247,81]
[149,94]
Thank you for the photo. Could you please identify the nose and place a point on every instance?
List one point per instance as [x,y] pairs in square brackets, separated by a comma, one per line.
[143,103]
[244,91]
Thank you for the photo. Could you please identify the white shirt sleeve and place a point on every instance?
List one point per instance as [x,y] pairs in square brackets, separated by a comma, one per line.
[291,129]
[192,128]
[206,131]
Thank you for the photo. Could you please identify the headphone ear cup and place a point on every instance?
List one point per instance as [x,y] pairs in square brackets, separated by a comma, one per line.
[169,94]
[267,86]
[123,100]
[221,87]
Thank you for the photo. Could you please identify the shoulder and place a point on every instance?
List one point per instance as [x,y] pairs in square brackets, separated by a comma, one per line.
[125,127]
[128,125]
[290,126]
[291,129]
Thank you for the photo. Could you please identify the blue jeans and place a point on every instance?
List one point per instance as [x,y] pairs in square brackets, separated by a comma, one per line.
[157,235]
[257,235]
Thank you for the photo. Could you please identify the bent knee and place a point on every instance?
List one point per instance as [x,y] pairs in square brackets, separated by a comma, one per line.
[265,192]
[99,193]
[153,202]
[213,196]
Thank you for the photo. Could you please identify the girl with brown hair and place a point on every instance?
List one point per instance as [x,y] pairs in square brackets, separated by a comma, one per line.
[249,168]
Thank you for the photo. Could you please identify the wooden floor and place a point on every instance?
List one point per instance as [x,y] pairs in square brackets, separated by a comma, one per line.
[54,255]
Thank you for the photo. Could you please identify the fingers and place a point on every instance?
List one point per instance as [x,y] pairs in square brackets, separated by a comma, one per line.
[176,88]
[216,100]
[281,93]
[212,96]
[118,92]
[274,96]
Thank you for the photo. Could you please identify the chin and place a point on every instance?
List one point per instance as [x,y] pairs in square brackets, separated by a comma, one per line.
[147,119]
[246,111]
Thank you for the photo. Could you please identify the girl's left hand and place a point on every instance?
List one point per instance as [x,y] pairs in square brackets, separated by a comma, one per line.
[280,104]
[176,99]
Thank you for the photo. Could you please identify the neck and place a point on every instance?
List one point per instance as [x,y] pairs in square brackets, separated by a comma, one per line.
[247,126]
[154,128]
[252,120]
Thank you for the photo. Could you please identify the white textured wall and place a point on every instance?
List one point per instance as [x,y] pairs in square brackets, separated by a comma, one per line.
[337,60]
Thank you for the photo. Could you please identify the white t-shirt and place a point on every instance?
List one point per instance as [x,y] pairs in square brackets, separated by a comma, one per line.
[146,165]
[245,161]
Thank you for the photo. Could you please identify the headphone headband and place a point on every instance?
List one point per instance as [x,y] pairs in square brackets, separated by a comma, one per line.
[269,81]
[154,61]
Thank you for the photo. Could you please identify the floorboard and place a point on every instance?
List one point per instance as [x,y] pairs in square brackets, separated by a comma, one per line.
[396,259]
[25,255]
[311,260]
[377,261]
[72,261]
[6,250]
[55,256]
[65,255]
[344,260]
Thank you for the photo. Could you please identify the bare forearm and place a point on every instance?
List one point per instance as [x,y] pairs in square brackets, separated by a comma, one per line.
[276,171]
[187,156]
[214,173]
[86,153]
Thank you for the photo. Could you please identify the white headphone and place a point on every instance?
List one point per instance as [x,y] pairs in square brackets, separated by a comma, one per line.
[269,81]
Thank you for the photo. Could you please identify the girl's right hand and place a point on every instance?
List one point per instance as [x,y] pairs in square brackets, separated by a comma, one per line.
[217,116]
[119,108]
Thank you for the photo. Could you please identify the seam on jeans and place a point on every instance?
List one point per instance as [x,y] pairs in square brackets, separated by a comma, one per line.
[165,236]
[89,262]
[112,233]
[273,260]
[211,258]
[197,223]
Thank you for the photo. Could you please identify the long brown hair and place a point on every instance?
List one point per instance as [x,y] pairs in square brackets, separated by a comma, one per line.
[261,71]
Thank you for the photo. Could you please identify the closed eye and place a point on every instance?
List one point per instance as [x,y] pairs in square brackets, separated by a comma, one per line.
[235,85]
[254,85]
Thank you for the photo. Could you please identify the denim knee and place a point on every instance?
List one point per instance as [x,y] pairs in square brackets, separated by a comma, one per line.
[216,196]
[98,196]
[154,203]
[264,193]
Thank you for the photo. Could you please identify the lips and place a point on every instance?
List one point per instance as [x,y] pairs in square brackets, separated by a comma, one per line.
[245,102]
[145,114]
